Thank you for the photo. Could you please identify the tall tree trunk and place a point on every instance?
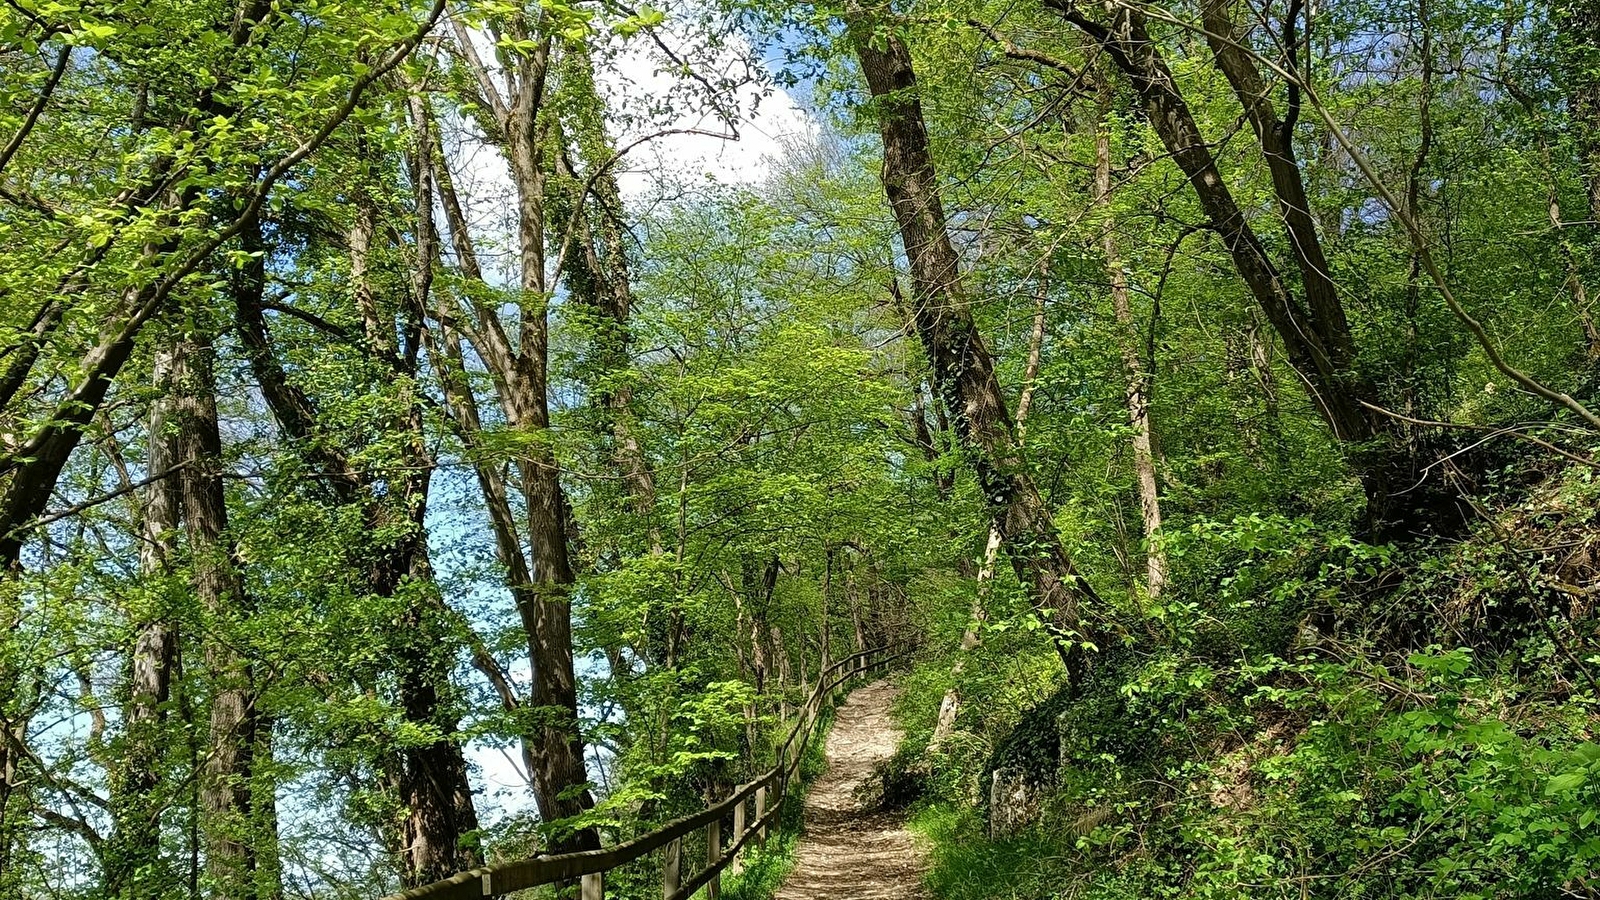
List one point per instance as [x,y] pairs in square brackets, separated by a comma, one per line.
[599,288]
[13,785]
[825,625]
[431,778]
[541,577]
[133,863]
[441,817]
[854,598]
[1138,379]
[227,785]
[963,371]
[785,675]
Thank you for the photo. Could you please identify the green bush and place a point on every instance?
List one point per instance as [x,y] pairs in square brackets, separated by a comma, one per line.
[1315,779]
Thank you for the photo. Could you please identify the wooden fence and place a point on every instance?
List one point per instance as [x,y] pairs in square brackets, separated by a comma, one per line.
[754,806]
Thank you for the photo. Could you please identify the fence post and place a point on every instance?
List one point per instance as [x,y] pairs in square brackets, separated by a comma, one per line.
[738,834]
[671,878]
[594,886]
[761,813]
[713,857]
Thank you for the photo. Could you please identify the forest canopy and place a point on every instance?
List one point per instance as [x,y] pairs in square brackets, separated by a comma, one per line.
[437,432]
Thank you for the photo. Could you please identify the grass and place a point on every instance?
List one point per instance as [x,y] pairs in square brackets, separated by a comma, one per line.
[765,868]
[963,864]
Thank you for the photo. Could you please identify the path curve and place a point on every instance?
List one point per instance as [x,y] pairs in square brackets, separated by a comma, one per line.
[847,853]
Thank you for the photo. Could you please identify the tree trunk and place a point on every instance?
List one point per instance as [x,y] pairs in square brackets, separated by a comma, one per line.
[1315,335]
[431,780]
[133,863]
[541,577]
[963,371]
[1138,380]
[227,784]
[854,599]
[441,818]
[950,705]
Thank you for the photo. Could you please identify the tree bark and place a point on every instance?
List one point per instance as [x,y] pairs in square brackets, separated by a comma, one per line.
[950,705]
[133,862]
[1137,378]
[229,799]
[541,577]
[963,370]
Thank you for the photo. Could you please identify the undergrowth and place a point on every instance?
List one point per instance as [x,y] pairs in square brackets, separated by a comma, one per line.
[1439,740]
[765,868]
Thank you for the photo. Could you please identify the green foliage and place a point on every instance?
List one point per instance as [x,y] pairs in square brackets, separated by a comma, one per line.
[1299,712]
[1248,752]
[1355,781]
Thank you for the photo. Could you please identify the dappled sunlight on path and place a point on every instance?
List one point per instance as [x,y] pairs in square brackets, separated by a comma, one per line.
[847,853]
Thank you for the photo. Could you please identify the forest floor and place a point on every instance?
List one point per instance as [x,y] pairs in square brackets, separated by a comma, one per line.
[847,852]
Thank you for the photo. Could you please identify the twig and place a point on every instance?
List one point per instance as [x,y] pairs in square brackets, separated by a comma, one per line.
[1494,432]
[73,510]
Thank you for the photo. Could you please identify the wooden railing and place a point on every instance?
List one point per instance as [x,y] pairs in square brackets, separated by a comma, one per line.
[589,867]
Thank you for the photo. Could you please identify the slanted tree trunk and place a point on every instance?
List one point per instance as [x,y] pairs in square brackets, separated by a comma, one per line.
[963,370]
[950,705]
[1315,335]
[1276,138]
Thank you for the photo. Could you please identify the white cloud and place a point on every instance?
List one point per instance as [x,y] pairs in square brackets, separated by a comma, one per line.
[647,98]
[765,123]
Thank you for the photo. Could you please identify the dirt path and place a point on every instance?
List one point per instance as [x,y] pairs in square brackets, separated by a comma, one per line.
[847,854]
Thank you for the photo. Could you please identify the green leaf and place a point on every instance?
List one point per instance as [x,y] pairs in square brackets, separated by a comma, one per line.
[1567,781]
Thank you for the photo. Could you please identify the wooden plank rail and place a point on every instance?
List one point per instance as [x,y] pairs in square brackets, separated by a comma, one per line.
[589,867]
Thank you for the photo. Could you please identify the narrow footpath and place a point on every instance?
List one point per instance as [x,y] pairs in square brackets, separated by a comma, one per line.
[847,853]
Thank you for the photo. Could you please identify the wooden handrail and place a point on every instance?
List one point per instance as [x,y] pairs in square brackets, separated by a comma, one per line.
[590,866]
